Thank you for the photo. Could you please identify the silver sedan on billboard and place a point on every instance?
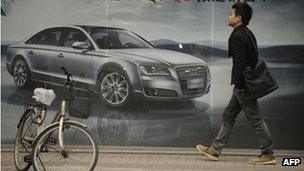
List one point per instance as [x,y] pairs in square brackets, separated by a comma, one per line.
[116,64]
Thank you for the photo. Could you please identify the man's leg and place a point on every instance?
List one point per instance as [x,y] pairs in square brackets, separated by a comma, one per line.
[229,116]
[256,120]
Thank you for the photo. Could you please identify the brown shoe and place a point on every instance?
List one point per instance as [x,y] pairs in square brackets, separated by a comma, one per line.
[263,159]
[209,152]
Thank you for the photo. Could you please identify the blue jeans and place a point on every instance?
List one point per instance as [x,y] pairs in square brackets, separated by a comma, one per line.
[240,101]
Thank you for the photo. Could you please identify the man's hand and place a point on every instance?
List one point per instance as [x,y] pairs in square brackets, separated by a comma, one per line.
[239,89]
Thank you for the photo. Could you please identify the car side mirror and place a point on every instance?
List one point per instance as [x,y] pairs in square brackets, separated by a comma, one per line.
[80,45]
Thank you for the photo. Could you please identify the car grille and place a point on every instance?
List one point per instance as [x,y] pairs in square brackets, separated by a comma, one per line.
[186,74]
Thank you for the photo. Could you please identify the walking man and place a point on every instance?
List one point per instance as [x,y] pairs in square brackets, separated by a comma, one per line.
[243,55]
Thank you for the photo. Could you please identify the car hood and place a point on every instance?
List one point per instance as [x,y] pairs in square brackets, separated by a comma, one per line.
[171,58]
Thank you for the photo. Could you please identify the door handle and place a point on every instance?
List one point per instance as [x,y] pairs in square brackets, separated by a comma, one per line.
[60,55]
[30,52]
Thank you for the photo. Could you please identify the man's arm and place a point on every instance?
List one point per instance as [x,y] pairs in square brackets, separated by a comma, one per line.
[240,48]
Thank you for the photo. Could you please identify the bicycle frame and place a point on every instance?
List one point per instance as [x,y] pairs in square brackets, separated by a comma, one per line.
[60,115]
[40,120]
[61,121]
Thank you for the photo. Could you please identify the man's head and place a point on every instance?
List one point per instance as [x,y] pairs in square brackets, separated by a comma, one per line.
[241,13]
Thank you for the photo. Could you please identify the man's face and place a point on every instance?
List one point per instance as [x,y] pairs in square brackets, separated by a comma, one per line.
[233,20]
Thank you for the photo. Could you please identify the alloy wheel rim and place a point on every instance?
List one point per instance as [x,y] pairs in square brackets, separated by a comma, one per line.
[20,73]
[114,88]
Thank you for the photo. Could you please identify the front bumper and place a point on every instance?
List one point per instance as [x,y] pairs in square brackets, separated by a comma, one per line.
[175,86]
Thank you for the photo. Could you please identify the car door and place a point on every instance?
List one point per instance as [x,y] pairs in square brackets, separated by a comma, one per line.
[42,54]
[77,61]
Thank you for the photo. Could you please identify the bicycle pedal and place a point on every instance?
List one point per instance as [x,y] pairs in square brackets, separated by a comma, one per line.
[27,158]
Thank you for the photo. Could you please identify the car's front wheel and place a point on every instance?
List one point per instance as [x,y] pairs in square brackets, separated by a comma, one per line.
[21,74]
[114,89]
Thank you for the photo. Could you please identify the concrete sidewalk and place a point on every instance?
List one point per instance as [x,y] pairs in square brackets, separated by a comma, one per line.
[177,159]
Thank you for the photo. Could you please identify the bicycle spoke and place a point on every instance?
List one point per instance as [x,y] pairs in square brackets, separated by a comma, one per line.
[41,163]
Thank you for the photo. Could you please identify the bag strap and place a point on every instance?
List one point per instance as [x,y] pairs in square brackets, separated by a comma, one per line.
[253,44]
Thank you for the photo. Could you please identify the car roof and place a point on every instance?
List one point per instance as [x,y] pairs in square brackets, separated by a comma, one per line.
[89,27]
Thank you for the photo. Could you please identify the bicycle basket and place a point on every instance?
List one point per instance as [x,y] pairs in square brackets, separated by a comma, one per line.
[80,107]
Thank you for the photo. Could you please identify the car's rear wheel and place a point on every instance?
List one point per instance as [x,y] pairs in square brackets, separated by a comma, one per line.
[21,74]
[114,89]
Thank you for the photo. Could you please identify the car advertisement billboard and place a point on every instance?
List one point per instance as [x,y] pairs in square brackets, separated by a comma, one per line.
[153,73]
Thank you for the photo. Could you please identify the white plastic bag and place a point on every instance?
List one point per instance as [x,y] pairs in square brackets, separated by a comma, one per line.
[44,96]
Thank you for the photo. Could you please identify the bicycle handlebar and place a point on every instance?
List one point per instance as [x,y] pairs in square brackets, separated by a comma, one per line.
[66,73]
[68,83]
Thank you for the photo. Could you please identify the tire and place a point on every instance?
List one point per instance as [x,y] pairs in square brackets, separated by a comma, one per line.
[114,89]
[24,140]
[21,74]
[47,155]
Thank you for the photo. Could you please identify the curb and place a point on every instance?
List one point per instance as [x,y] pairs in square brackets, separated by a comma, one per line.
[175,151]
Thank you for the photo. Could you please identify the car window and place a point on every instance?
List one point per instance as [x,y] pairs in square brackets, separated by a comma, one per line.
[107,41]
[32,40]
[117,39]
[49,37]
[126,38]
[72,36]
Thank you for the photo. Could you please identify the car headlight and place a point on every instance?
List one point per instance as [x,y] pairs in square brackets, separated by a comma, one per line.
[154,70]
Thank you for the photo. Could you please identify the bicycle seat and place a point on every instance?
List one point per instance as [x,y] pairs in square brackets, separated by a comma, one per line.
[45,96]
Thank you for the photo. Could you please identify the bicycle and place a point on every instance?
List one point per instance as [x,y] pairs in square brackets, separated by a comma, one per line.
[64,140]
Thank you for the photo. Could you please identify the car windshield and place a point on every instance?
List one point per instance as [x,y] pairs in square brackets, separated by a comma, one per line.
[117,39]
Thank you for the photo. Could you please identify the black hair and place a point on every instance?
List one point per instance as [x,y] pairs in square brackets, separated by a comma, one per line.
[244,10]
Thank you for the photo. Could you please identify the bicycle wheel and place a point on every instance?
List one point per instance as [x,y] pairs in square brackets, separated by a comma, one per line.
[80,149]
[24,140]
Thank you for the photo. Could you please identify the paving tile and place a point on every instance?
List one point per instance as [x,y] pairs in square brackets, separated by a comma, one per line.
[158,162]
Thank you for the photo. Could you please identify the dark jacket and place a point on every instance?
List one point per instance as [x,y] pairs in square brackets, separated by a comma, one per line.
[243,54]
